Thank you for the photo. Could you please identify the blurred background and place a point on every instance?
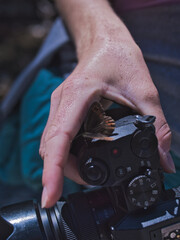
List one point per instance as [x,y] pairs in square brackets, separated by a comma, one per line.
[23,26]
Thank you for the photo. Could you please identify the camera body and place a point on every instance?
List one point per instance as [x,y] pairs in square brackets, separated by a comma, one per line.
[130,162]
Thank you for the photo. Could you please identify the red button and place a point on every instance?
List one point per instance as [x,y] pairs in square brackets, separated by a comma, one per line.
[115,152]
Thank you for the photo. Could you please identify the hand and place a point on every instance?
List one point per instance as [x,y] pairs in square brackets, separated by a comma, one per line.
[111,66]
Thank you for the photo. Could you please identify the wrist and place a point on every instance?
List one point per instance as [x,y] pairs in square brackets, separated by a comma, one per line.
[110,35]
[89,21]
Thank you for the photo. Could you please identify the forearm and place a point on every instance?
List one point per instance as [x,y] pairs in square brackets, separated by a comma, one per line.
[89,21]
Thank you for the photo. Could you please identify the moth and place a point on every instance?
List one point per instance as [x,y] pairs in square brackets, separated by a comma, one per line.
[97,124]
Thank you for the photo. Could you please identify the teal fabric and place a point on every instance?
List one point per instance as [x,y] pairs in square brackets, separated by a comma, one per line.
[34,110]
[10,151]
[173,180]
[20,162]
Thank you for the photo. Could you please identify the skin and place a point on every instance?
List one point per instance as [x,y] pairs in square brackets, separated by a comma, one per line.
[111,66]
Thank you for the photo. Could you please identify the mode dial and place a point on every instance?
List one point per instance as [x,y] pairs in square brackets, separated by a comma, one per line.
[143,191]
[144,143]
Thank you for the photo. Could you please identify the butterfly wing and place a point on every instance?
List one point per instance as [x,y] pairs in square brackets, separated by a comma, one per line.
[97,136]
[94,117]
[97,124]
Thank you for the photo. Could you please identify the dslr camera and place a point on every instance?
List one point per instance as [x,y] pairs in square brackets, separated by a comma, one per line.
[129,200]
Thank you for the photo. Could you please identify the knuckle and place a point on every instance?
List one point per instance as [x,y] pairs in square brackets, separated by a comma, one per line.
[51,132]
[131,49]
[151,96]
[166,131]
[68,135]
[68,85]
[73,84]
[71,88]
[136,51]
[40,151]
[105,88]
[164,136]
[83,83]
[55,95]
[56,130]
[132,54]
[41,148]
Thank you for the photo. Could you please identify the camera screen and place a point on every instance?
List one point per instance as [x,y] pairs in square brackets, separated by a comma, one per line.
[171,232]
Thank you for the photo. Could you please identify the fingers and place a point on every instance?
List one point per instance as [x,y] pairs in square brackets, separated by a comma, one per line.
[55,100]
[54,161]
[71,170]
[53,175]
[52,178]
[57,141]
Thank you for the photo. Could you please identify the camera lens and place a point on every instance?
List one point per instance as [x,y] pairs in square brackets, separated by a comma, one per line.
[76,219]
[28,221]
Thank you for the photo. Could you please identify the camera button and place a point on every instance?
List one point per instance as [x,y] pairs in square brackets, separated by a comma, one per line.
[115,152]
[94,173]
[121,172]
[144,143]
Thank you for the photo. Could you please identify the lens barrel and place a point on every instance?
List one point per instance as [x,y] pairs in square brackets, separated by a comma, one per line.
[82,217]
[28,221]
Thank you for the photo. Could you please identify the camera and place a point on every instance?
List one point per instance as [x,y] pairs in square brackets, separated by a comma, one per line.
[128,202]
[129,162]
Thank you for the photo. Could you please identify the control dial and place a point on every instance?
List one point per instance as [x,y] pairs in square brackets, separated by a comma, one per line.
[143,191]
[144,142]
[94,171]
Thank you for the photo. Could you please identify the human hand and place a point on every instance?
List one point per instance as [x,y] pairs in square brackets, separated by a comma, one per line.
[110,66]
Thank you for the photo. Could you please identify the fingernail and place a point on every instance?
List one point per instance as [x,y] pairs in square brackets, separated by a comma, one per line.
[170,163]
[44,198]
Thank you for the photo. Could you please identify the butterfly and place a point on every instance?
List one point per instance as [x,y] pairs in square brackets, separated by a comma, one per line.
[97,124]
